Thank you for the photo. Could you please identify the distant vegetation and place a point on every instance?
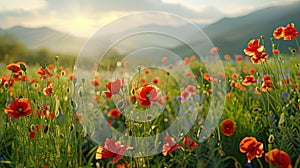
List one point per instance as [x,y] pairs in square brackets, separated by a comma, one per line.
[12,50]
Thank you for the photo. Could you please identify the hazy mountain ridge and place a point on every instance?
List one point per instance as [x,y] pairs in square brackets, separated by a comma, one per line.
[231,35]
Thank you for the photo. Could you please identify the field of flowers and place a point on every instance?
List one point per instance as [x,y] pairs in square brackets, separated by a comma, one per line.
[41,125]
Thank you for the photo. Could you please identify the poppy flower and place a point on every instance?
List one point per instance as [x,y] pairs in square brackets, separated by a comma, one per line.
[253,47]
[33,130]
[170,146]
[114,113]
[251,71]
[278,32]
[266,86]
[235,75]
[186,60]
[249,80]
[275,51]
[113,87]
[227,127]
[155,80]
[238,58]
[111,149]
[252,148]
[19,107]
[164,59]
[192,58]
[189,142]
[259,57]
[207,77]
[227,56]
[48,91]
[15,68]
[214,50]
[146,71]
[148,94]
[95,83]
[44,73]
[290,32]
[278,158]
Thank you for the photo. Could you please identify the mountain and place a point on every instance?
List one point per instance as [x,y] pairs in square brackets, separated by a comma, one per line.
[44,37]
[231,35]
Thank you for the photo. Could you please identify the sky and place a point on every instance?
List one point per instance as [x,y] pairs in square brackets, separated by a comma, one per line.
[83,17]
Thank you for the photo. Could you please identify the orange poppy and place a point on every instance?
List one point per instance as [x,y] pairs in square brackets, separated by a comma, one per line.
[15,68]
[290,32]
[278,158]
[252,148]
[164,59]
[249,80]
[214,50]
[189,142]
[266,86]
[207,77]
[234,76]
[19,107]
[170,146]
[227,127]
[227,56]
[111,149]
[114,113]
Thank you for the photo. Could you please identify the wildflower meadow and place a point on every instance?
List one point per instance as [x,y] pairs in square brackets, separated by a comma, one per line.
[47,122]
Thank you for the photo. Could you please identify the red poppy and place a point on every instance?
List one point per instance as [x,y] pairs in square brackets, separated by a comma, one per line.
[111,149]
[15,68]
[276,51]
[249,80]
[252,148]
[19,107]
[33,130]
[235,75]
[71,77]
[251,71]
[278,33]
[146,71]
[44,73]
[114,113]
[278,158]
[290,32]
[227,127]
[253,47]
[170,146]
[259,57]
[238,58]
[113,87]
[189,142]
[149,94]
[51,66]
[95,83]
[155,80]
[48,91]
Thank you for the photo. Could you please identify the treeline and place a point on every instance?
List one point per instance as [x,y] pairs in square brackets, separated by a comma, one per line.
[11,50]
